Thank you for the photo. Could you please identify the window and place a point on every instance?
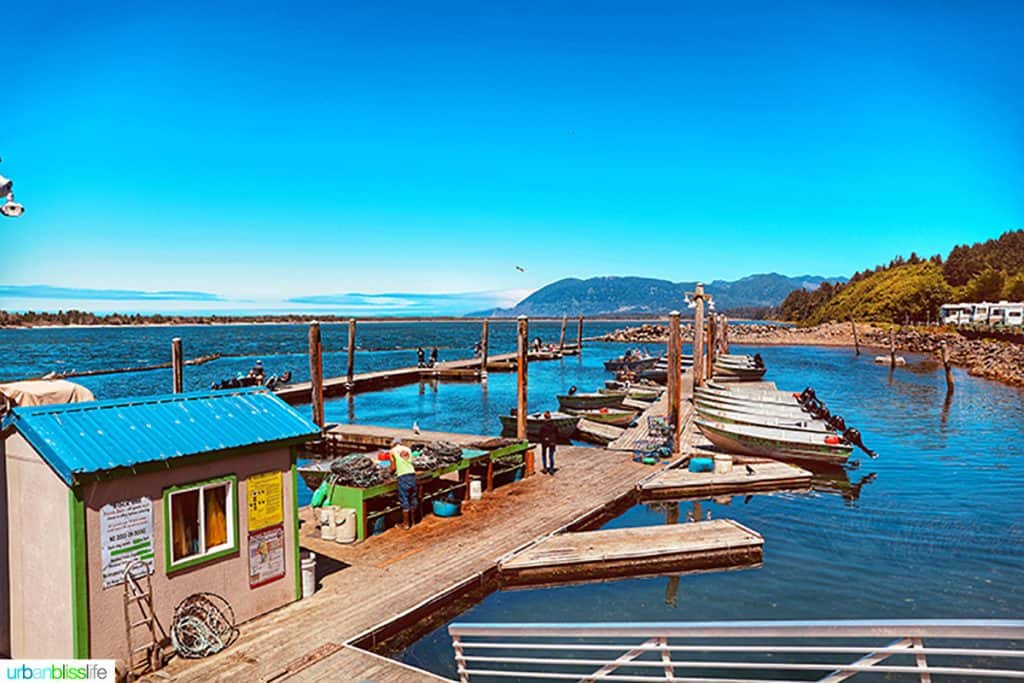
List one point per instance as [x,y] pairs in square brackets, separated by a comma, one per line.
[199,522]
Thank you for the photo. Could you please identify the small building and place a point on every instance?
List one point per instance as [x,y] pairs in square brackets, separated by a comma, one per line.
[199,487]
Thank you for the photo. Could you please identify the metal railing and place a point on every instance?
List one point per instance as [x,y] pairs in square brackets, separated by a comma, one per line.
[741,652]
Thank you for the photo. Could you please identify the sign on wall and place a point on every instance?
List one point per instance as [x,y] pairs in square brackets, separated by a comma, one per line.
[266,555]
[126,535]
[266,500]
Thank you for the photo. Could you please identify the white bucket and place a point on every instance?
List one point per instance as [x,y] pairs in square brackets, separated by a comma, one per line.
[345,529]
[476,488]
[308,575]
[723,463]
[327,517]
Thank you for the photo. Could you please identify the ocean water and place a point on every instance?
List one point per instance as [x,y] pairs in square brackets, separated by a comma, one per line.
[934,528]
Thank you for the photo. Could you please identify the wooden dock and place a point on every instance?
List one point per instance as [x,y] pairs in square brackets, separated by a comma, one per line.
[767,475]
[674,548]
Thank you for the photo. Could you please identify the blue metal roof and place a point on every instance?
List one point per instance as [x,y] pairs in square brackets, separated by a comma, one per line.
[80,438]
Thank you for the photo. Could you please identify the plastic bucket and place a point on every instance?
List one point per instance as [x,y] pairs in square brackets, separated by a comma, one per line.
[723,463]
[476,488]
[327,516]
[308,565]
[701,465]
[345,525]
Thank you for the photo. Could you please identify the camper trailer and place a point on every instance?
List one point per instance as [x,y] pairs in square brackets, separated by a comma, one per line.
[955,314]
[1006,313]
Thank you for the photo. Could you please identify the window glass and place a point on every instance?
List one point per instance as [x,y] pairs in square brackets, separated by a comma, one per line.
[185,522]
[216,502]
[201,521]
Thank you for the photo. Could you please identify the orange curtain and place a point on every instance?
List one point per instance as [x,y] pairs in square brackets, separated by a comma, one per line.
[216,518]
[178,525]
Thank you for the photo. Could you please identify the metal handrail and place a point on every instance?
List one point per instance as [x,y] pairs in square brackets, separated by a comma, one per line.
[507,650]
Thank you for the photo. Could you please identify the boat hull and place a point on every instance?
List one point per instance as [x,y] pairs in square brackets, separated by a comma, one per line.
[565,424]
[773,443]
[585,401]
[616,418]
[753,407]
[803,425]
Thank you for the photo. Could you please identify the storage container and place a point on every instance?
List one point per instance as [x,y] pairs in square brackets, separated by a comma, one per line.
[701,465]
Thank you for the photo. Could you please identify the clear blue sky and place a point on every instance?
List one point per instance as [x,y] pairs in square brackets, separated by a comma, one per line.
[284,149]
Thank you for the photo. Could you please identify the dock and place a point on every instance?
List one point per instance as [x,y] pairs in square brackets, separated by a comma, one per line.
[766,476]
[718,544]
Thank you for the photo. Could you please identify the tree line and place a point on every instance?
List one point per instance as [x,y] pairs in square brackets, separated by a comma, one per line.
[913,288]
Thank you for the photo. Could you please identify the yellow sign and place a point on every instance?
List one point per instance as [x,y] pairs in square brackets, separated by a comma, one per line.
[266,500]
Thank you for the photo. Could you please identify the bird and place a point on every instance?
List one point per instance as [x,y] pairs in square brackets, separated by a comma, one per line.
[415,427]
[521,269]
[750,470]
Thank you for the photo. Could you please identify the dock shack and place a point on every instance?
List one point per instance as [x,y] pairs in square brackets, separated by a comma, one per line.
[197,488]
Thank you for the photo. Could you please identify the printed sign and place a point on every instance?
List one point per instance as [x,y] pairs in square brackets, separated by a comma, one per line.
[126,533]
[266,502]
[266,555]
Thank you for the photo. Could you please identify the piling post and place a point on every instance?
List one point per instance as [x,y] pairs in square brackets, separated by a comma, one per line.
[561,337]
[698,336]
[712,344]
[350,373]
[856,340]
[674,352]
[316,373]
[176,365]
[522,357]
[949,370]
[484,337]
[579,334]
[892,349]
[725,334]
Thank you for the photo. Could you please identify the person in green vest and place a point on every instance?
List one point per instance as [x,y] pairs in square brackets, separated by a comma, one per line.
[401,465]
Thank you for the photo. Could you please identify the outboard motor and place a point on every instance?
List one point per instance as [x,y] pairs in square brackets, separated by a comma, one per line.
[572,390]
[806,395]
[758,361]
[853,436]
[837,423]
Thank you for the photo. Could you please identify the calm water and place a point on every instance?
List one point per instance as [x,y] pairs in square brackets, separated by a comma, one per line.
[936,531]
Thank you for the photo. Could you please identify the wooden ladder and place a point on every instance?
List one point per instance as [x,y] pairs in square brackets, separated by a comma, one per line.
[145,656]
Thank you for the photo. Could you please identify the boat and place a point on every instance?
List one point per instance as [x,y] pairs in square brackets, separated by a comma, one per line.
[754,407]
[633,362]
[564,423]
[766,397]
[609,416]
[772,442]
[582,401]
[798,424]
[748,374]
[637,393]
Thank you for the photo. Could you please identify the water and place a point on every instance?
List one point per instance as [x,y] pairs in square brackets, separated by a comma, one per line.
[936,531]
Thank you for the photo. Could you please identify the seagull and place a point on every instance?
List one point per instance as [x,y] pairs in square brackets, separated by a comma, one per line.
[415,427]
[750,470]
[521,269]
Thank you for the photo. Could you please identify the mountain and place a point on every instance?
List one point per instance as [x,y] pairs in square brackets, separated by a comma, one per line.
[646,296]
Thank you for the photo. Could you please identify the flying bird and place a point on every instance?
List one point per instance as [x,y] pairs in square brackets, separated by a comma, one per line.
[415,427]
[521,269]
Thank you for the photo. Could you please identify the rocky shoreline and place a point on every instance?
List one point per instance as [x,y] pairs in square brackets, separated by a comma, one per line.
[996,360]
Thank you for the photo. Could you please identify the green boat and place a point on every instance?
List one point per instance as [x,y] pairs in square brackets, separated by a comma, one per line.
[776,443]
[591,400]
[635,393]
[609,416]
[564,423]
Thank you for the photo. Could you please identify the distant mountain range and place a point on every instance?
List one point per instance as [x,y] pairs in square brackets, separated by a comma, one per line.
[647,296]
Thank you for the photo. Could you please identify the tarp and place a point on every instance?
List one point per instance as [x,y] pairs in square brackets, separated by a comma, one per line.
[44,392]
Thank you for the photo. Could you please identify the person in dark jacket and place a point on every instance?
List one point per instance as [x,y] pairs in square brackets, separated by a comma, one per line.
[548,442]
[433,357]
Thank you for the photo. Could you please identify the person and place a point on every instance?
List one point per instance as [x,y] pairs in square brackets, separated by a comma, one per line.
[433,356]
[401,465]
[478,348]
[257,371]
[548,442]
[419,357]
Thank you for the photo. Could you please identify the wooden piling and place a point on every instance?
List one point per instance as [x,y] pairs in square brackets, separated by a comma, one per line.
[484,338]
[892,349]
[522,352]
[579,334]
[856,339]
[316,373]
[725,334]
[177,363]
[350,373]
[698,336]
[712,344]
[945,364]
[674,352]
[561,337]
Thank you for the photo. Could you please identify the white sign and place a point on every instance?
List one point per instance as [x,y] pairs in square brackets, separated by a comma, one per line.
[126,530]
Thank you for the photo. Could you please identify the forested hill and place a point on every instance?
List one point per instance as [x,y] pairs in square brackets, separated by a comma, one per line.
[912,289]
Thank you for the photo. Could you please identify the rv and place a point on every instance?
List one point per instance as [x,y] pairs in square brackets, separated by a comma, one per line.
[955,314]
[1006,313]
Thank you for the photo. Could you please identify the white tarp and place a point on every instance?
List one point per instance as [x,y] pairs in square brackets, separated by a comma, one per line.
[42,392]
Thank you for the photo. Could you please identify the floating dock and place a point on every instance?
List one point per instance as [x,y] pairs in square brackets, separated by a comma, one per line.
[766,475]
[674,548]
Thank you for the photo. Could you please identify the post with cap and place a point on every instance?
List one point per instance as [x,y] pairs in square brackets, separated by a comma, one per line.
[176,365]
[522,358]
[698,335]
[674,361]
[316,373]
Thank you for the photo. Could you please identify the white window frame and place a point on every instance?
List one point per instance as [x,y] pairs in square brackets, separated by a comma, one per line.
[230,513]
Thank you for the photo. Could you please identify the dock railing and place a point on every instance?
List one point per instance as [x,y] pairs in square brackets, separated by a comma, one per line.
[742,651]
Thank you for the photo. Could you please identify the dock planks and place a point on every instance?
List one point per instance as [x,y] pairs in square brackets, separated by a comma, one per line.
[768,475]
[675,548]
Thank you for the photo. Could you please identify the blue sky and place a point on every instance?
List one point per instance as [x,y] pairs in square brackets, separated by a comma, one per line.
[268,151]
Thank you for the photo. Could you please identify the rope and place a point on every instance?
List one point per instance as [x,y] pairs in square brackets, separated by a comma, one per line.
[203,625]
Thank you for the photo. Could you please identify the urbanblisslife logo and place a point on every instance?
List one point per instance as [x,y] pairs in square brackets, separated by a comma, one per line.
[58,670]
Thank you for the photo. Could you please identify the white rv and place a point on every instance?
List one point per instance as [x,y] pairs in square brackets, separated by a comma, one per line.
[1006,313]
[955,314]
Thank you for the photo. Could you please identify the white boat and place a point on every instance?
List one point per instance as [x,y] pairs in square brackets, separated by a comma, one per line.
[772,442]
